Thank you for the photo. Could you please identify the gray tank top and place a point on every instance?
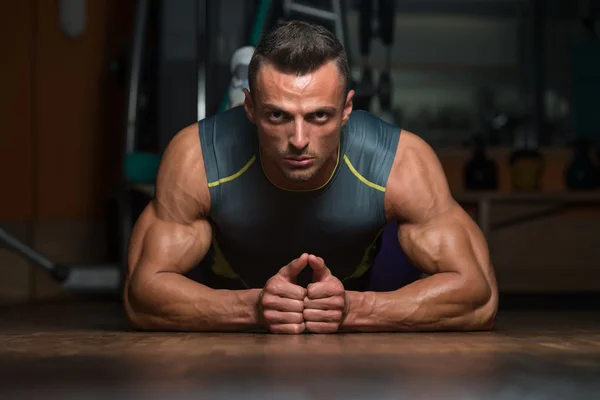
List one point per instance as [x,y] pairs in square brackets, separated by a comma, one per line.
[258,228]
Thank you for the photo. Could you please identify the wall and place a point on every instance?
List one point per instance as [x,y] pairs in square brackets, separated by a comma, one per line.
[62,130]
[16,142]
[556,253]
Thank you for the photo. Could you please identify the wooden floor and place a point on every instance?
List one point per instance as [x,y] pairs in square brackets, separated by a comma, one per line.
[87,351]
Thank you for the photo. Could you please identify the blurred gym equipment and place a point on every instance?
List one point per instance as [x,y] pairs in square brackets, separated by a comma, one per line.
[73,278]
[367,89]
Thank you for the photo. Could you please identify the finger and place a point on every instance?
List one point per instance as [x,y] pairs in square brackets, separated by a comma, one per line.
[274,317]
[289,329]
[321,290]
[291,271]
[284,289]
[320,270]
[322,327]
[328,303]
[272,302]
[323,316]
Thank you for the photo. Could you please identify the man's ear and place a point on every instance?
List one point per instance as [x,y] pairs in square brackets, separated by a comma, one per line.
[249,105]
[348,107]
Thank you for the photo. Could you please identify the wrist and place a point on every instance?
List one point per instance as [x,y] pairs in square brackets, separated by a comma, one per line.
[247,310]
[359,310]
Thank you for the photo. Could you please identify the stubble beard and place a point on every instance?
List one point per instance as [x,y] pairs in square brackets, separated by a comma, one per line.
[300,175]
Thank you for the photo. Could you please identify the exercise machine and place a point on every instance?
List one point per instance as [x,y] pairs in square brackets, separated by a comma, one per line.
[102,278]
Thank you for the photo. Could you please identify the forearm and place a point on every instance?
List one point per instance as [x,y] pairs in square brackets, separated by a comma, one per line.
[172,302]
[441,302]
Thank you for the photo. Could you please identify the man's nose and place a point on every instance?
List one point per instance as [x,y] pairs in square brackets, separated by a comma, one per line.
[299,138]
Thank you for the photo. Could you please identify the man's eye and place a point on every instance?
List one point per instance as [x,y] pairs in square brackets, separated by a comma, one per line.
[276,115]
[320,116]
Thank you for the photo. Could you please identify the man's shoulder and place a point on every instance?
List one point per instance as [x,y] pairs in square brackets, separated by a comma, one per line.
[229,123]
[181,175]
[369,147]
[364,125]
[417,181]
[229,143]
[367,135]
[184,146]
[413,151]
[227,133]
[361,119]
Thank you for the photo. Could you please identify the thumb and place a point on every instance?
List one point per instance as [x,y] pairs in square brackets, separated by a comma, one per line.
[291,271]
[320,270]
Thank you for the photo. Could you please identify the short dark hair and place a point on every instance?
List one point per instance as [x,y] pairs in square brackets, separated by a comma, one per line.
[299,47]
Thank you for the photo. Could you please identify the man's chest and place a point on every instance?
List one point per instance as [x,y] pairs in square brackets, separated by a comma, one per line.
[257,242]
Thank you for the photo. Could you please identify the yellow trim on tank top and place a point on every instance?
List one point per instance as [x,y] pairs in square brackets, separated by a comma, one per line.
[221,267]
[337,163]
[362,178]
[368,255]
[234,176]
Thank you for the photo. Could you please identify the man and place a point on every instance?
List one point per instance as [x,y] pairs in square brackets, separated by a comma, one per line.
[279,205]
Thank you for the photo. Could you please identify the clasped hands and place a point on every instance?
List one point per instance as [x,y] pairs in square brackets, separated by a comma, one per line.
[291,309]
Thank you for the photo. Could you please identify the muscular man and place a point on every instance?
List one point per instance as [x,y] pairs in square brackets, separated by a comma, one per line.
[276,207]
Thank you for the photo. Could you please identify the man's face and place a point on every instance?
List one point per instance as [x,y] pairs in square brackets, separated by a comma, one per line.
[299,120]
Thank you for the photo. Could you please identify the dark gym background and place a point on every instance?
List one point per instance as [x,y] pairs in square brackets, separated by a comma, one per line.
[516,78]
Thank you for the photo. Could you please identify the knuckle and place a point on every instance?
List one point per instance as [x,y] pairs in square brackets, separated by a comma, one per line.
[298,306]
[299,328]
[300,294]
[269,315]
[315,327]
[333,316]
[293,329]
[314,289]
[339,302]
[287,305]
[281,329]
[337,316]
[268,300]
[271,287]
[298,318]
[330,316]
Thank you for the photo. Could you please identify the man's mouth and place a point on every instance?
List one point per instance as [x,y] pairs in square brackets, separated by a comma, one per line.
[299,158]
[299,161]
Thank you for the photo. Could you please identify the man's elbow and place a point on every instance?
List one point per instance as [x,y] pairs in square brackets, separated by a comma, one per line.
[137,320]
[484,319]
[479,299]
[486,307]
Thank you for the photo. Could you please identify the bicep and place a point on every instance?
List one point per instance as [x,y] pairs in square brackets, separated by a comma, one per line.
[434,231]
[160,246]
[163,245]
[448,242]
[172,233]
[451,245]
